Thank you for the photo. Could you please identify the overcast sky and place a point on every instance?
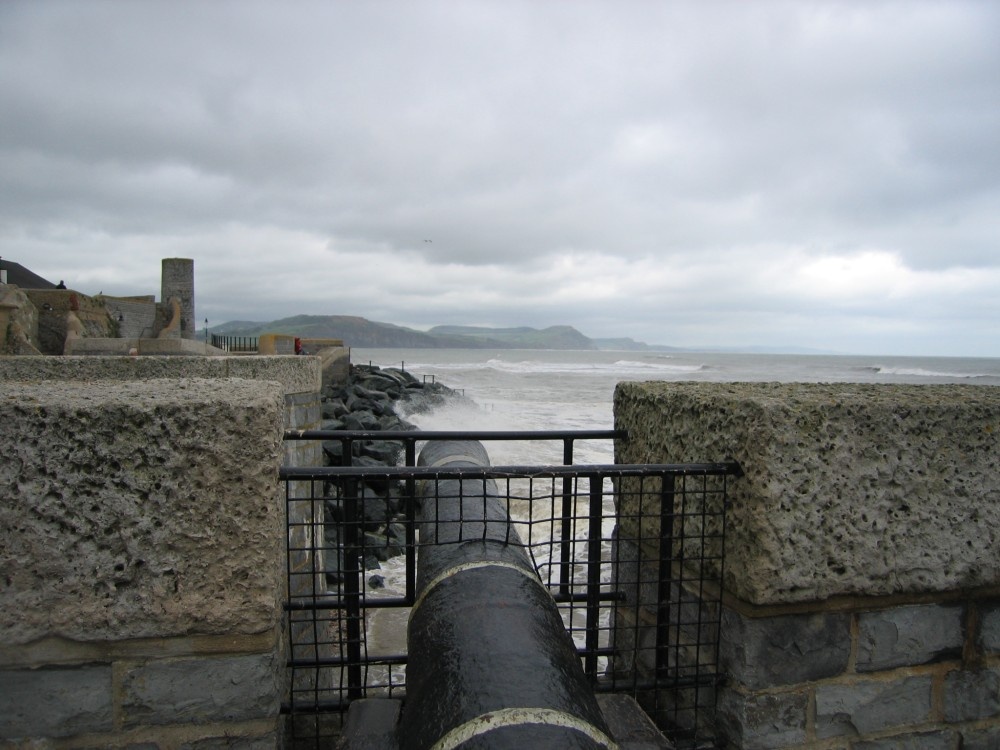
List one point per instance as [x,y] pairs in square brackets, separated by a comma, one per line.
[822,174]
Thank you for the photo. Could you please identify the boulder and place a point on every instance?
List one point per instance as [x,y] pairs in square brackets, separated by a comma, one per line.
[367,402]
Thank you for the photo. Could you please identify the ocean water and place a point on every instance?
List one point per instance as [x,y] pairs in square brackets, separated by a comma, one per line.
[565,390]
[525,389]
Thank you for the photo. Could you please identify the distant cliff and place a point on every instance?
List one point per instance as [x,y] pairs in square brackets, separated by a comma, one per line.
[553,337]
[360,332]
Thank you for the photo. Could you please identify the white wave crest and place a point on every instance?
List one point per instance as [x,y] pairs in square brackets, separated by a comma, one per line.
[920,372]
[528,367]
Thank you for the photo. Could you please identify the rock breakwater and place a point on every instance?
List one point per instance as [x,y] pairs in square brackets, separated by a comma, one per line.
[373,400]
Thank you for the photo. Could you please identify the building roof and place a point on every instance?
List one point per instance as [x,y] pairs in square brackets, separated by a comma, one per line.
[23,277]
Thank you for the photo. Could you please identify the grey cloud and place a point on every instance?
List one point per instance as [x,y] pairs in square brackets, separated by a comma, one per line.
[682,138]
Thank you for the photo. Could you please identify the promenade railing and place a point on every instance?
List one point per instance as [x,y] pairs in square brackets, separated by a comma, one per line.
[235,344]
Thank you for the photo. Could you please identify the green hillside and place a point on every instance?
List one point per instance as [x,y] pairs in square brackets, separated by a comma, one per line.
[361,332]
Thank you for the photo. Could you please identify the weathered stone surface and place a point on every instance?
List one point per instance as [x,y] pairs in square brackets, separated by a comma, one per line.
[55,702]
[201,690]
[296,374]
[908,636]
[990,628]
[944,739]
[849,489]
[269,741]
[871,706]
[270,344]
[177,283]
[785,650]
[762,721]
[971,694]
[335,362]
[140,509]
[18,323]
[987,738]
[54,306]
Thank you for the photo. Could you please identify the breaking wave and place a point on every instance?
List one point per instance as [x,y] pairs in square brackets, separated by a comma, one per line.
[920,372]
[531,367]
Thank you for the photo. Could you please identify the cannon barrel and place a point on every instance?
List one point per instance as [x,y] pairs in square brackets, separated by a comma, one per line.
[491,664]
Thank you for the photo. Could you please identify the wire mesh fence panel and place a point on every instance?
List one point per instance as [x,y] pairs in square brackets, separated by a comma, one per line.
[632,555]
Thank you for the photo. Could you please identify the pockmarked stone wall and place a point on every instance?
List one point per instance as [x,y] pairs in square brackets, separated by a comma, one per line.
[870,489]
[862,574]
[141,559]
[299,379]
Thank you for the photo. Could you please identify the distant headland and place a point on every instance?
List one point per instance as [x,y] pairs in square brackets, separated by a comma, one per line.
[363,333]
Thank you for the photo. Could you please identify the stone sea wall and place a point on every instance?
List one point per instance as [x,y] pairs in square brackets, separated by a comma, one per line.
[143,555]
[141,562]
[862,579]
[142,538]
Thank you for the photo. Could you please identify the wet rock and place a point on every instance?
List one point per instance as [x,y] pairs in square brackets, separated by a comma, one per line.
[362,420]
[386,451]
[370,401]
[381,547]
[334,452]
[334,408]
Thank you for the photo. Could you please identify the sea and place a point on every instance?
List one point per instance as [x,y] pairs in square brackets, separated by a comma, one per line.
[530,389]
[570,390]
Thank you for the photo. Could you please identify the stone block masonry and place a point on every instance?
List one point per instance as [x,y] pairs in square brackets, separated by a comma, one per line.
[141,561]
[135,316]
[177,281]
[861,602]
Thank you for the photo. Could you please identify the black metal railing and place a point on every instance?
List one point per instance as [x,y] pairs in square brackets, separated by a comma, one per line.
[632,554]
[239,344]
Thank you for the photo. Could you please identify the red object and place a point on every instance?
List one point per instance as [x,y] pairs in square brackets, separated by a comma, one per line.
[298,345]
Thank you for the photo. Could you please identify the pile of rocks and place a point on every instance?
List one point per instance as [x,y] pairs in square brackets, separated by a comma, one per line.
[372,400]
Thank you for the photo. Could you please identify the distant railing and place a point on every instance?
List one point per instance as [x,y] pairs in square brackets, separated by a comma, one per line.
[243,344]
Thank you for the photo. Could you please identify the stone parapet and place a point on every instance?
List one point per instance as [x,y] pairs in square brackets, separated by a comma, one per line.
[275,343]
[298,377]
[314,346]
[849,489]
[861,602]
[294,374]
[142,558]
[174,347]
[113,518]
[335,362]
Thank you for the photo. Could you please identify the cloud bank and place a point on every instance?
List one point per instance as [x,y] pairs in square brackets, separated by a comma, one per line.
[818,174]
